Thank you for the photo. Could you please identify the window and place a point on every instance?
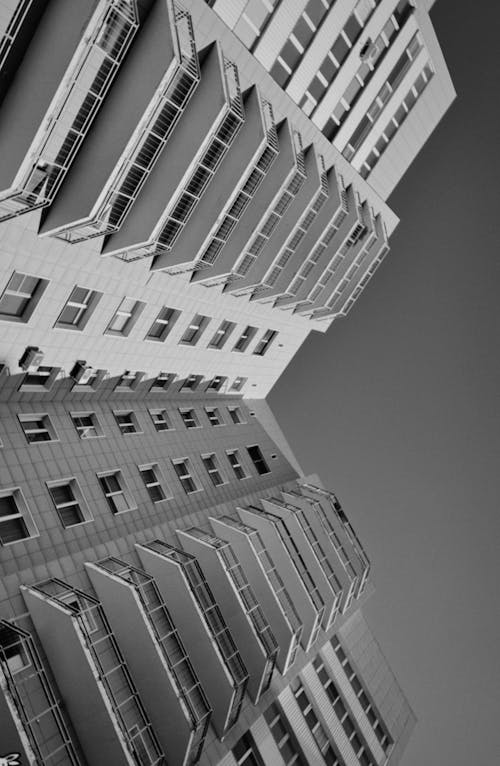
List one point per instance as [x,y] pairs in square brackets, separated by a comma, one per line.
[150,476]
[183,470]
[234,458]
[214,416]
[190,418]
[193,333]
[12,649]
[238,384]
[20,297]
[258,459]
[127,422]
[129,380]
[116,492]
[37,428]
[284,736]
[86,424]
[212,465]
[235,415]
[163,381]
[222,334]
[41,380]
[78,308]
[16,522]
[163,323]
[191,383]
[246,753]
[69,502]
[125,317]
[264,343]
[161,420]
[217,383]
[320,736]
[244,340]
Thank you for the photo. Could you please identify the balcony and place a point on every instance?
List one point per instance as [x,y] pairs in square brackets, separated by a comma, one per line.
[58,92]
[155,654]
[208,641]
[93,678]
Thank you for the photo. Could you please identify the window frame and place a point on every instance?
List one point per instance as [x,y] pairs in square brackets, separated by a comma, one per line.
[23,513]
[79,500]
[221,335]
[193,418]
[237,466]
[132,315]
[47,427]
[32,298]
[167,324]
[260,459]
[159,482]
[95,424]
[239,419]
[245,338]
[124,491]
[213,470]
[265,342]
[215,413]
[86,309]
[197,326]
[166,419]
[132,422]
[189,478]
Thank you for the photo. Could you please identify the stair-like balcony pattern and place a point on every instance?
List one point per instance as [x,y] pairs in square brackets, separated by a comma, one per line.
[32,701]
[188,687]
[272,219]
[182,205]
[213,619]
[363,282]
[244,194]
[79,96]
[109,666]
[150,136]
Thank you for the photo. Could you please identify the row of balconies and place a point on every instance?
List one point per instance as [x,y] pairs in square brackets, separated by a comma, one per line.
[154,652]
[140,166]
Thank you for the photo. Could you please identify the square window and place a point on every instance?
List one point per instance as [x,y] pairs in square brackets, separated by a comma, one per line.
[127,422]
[245,338]
[125,317]
[69,502]
[184,473]
[217,383]
[190,418]
[37,428]
[222,334]
[235,415]
[214,416]
[86,424]
[263,345]
[116,491]
[235,461]
[191,383]
[161,420]
[193,333]
[212,467]
[78,308]
[238,384]
[258,460]
[16,521]
[163,324]
[153,482]
[163,381]
[129,380]
[20,297]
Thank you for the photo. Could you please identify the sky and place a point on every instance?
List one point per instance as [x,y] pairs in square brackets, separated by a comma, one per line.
[397,409]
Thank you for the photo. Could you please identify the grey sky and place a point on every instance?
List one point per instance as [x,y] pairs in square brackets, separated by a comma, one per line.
[397,409]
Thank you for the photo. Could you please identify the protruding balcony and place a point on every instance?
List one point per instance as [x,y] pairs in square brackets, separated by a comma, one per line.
[55,95]
[267,584]
[162,71]
[197,145]
[167,683]
[31,720]
[303,589]
[100,696]
[208,640]
[246,619]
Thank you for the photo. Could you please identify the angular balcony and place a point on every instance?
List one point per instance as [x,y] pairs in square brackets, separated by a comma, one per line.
[238,178]
[92,675]
[312,551]
[267,584]
[155,654]
[183,173]
[235,596]
[18,22]
[32,721]
[57,92]
[208,640]
[161,71]
[303,589]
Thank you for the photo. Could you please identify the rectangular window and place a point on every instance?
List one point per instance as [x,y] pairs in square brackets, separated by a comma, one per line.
[125,317]
[245,338]
[258,459]
[214,416]
[41,380]
[233,456]
[193,333]
[69,502]
[129,380]
[183,470]
[14,652]
[212,466]
[222,334]
[264,343]
[37,428]
[20,297]
[16,521]
[190,418]
[78,308]
[127,422]
[86,424]
[151,477]
[163,381]
[284,736]
[163,323]
[216,383]
[191,383]
[116,492]
[245,752]
[238,384]
[235,415]
[161,420]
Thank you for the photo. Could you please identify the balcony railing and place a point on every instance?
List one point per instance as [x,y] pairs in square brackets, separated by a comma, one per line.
[12,15]
[74,107]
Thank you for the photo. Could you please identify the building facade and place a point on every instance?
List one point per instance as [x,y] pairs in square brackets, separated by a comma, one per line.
[187,190]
